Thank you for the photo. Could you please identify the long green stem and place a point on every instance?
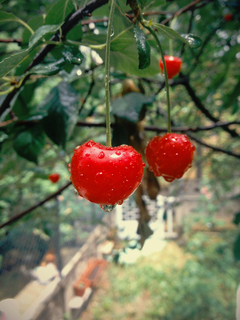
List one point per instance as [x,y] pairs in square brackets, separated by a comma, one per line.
[107,71]
[165,74]
[25,25]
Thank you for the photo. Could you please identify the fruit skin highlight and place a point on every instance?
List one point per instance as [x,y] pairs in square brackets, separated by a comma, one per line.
[170,156]
[173,65]
[54,177]
[106,175]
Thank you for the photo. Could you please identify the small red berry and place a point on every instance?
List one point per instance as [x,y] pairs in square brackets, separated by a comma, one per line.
[228,17]
[105,175]
[54,177]
[173,65]
[170,156]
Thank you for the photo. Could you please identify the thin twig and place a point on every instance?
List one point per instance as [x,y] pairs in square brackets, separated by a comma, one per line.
[25,212]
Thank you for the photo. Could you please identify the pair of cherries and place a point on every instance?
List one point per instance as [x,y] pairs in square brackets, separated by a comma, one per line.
[109,175]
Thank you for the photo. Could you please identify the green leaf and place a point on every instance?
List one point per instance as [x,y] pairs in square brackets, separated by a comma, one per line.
[8,17]
[73,55]
[143,48]
[41,31]
[148,4]
[236,248]
[48,69]
[132,106]
[76,33]
[189,39]
[237,218]
[231,98]
[13,61]
[59,11]
[192,40]
[29,143]
[16,59]
[124,53]
[62,108]
[34,23]
[21,107]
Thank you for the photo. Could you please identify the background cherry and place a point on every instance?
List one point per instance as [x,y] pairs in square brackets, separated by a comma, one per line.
[106,175]
[228,17]
[170,156]
[173,65]
[54,177]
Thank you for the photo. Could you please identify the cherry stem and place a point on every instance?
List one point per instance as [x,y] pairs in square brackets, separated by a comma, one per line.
[165,74]
[107,71]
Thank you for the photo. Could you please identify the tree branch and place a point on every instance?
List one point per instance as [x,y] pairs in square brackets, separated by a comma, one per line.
[25,212]
[66,27]
[201,107]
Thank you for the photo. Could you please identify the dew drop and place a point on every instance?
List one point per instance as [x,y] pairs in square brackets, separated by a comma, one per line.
[120,202]
[107,207]
[118,153]
[176,154]
[69,167]
[75,192]
[76,148]
[70,178]
[87,154]
[101,155]
[90,143]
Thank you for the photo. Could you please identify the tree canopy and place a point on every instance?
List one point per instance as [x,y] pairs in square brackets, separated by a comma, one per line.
[52,98]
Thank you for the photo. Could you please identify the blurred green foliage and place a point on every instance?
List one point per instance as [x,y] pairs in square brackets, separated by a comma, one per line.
[72,69]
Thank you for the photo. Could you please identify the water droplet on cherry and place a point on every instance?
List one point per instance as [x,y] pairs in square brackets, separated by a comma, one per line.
[120,202]
[69,167]
[107,207]
[76,148]
[101,155]
[75,192]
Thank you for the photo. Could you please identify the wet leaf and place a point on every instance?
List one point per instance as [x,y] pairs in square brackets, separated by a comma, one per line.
[73,55]
[29,143]
[143,48]
[62,110]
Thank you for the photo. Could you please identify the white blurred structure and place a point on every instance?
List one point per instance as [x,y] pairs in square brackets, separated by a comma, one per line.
[161,212]
[9,310]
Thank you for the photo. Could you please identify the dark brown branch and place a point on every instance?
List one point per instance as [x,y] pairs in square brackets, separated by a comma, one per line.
[11,40]
[66,27]
[233,154]
[201,107]
[24,213]
[182,10]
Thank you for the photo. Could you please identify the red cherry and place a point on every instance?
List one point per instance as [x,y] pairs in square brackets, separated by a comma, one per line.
[54,177]
[173,65]
[170,156]
[228,17]
[106,175]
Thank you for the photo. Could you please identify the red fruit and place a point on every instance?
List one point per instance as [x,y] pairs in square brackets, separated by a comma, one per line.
[54,177]
[170,156]
[173,65]
[106,175]
[228,17]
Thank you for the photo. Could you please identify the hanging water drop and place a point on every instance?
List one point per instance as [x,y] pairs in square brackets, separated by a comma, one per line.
[107,207]
[75,192]
[101,155]
[120,202]
[69,167]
